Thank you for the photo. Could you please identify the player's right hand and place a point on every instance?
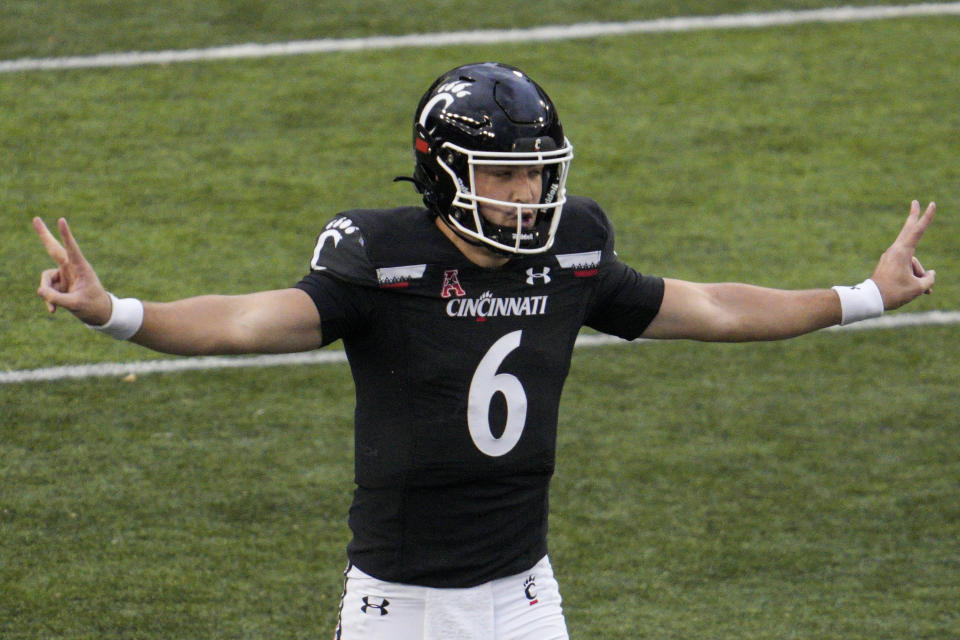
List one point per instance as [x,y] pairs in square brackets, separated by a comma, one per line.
[73,285]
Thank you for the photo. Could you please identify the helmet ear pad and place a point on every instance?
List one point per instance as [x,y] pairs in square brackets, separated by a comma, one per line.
[438,189]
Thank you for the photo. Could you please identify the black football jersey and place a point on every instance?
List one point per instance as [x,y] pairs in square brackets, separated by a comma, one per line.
[458,372]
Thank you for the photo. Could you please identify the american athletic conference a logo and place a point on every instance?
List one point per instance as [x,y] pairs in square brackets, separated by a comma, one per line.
[375,607]
[451,284]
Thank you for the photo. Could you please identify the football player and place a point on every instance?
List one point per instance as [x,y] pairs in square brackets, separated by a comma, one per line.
[459,319]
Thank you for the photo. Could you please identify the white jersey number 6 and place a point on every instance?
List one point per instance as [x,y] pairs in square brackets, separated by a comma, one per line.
[487,383]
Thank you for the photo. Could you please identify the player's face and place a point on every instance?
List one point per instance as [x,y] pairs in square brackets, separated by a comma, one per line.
[516,184]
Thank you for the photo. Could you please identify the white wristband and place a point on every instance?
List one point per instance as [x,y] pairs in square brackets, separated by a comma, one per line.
[860,301]
[126,317]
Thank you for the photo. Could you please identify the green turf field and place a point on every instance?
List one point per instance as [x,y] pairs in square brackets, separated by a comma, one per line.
[806,489]
[41,28]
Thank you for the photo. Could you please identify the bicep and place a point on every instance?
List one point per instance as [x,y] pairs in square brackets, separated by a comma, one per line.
[688,310]
[279,321]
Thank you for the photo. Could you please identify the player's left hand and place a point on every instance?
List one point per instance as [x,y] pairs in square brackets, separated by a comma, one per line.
[899,275]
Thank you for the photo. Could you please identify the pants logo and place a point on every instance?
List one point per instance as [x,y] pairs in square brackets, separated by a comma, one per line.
[367,606]
[529,590]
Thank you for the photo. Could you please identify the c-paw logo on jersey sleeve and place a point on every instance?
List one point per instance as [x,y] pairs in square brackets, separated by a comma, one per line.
[335,231]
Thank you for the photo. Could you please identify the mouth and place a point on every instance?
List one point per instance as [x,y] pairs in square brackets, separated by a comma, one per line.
[527,219]
[508,217]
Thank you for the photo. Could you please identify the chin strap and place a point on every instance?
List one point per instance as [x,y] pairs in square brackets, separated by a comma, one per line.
[430,199]
[419,186]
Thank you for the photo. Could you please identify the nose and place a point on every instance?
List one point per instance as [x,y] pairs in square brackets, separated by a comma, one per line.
[526,188]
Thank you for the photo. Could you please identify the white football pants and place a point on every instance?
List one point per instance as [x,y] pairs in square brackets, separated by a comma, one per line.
[521,607]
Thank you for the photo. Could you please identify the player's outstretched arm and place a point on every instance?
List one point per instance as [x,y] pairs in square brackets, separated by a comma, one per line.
[266,322]
[279,321]
[731,312]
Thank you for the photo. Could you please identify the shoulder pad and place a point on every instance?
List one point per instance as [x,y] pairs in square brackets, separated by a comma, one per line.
[341,252]
[376,247]
[584,230]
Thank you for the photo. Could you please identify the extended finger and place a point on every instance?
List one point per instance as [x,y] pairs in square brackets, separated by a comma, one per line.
[54,249]
[916,224]
[70,243]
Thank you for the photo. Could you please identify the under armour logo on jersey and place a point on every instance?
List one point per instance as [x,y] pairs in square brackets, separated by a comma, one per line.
[368,607]
[451,284]
[529,590]
[533,276]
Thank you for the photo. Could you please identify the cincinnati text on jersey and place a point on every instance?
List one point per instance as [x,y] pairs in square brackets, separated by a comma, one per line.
[486,306]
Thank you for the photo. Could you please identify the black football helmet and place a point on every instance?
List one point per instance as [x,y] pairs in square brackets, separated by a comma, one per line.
[489,114]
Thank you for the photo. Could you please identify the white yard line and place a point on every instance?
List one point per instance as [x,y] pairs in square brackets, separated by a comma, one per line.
[118,369]
[484,37]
